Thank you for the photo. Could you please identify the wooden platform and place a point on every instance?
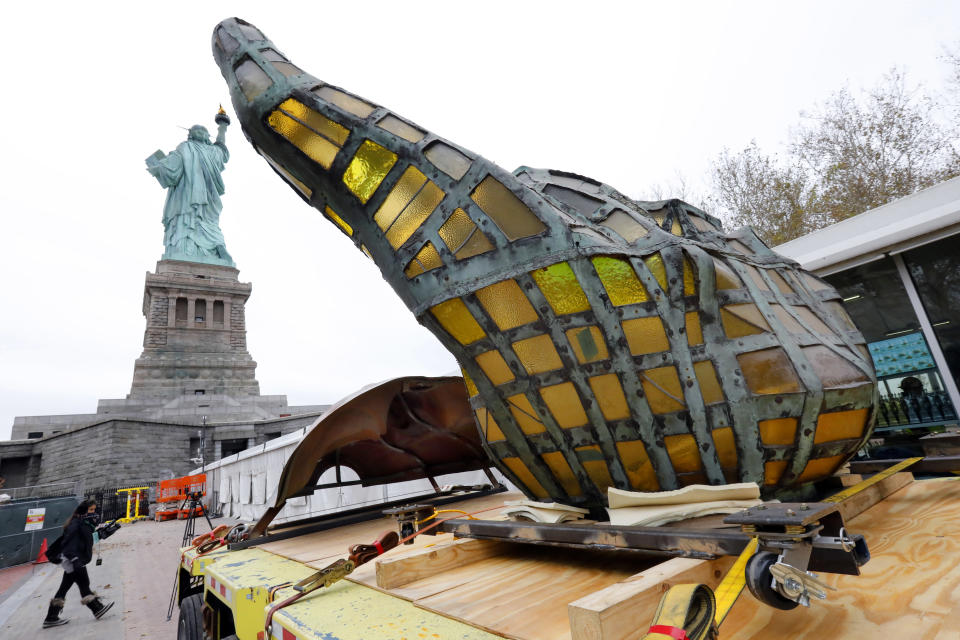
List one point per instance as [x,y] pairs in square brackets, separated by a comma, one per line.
[910,587]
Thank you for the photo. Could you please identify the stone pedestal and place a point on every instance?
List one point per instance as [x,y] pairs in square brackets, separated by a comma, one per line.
[195,342]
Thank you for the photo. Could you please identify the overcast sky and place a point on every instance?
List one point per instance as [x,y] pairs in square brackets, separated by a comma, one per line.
[628,93]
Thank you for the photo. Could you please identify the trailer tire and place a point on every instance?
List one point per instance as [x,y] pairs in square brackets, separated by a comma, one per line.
[758,578]
[190,623]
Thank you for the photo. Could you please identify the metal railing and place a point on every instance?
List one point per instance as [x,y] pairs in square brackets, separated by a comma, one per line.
[915,409]
[52,490]
[111,505]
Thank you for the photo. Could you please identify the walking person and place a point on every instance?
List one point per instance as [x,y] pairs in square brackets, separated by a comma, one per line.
[75,550]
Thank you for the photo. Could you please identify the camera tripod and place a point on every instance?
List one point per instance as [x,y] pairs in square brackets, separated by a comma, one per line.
[193,504]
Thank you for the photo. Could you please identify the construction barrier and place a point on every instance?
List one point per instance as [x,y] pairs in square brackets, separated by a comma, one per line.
[173,496]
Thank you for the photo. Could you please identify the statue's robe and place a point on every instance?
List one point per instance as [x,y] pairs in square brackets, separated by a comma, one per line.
[191,214]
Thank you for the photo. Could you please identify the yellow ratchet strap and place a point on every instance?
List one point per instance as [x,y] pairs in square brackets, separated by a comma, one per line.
[686,612]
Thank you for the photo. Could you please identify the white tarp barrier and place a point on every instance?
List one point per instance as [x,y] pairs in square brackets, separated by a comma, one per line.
[246,484]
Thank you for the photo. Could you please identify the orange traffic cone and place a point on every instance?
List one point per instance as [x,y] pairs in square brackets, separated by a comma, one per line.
[42,556]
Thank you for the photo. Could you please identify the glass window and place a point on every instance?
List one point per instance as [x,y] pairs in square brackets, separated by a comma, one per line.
[874,296]
[935,269]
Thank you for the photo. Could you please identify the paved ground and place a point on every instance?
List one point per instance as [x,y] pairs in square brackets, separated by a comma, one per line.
[139,565]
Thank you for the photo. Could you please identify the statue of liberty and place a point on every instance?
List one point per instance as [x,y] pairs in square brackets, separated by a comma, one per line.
[191,214]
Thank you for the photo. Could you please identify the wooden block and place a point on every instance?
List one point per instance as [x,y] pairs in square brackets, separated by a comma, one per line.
[850,479]
[395,572]
[857,504]
[623,609]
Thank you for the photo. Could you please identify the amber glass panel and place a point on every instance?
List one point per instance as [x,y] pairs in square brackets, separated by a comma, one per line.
[701,224]
[694,331]
[447,159]
[726,446]
[742,320]
[726,278]
[657,268]
[401,129]
[340,222]
[596,469]
[477,244]
[345,101]
[645,335]
[525,414]
[587,344]
[488,426]
[507,304]
[454,316]
[779,431]
[462,236]
[564,404]
[524,476]
[757,279]
[637,464]
[609,395]
[620,281]
[710,387]
[317,148]
[470,384]
[562,471]
[425,260]
[739,247]
[252,79]
[683,452]
[366,251]
[779,281]
[368,169]
[820,468]
[537,354]
[769,371]
[402,193]
[663,390]
[304,189]
[625,226]
[773,471]
[675,228]
[814,284]
[506,210]
[833,370]
[560,287]
[840,425]
[788,320]
[332,131]
[689,282]
[810,319]
[837,309]
[415,213]
[496,368]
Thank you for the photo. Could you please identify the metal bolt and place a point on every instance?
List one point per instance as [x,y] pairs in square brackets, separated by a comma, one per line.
[761,507]
[804,507]
[791,512]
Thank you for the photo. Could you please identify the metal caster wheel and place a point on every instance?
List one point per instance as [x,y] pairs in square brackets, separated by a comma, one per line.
[760,581]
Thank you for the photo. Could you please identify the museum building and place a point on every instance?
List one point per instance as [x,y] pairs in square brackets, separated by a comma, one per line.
[898,270]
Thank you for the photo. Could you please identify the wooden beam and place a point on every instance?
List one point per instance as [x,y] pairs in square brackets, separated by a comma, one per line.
[623,610]
[860,502]
[395,572]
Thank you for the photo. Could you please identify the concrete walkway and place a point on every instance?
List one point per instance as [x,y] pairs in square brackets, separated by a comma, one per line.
[139,565]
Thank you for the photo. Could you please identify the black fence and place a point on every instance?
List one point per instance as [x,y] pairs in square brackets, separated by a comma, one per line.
[112,505]
[915,409]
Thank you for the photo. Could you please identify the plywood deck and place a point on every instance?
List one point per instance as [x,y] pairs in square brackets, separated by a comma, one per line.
[909,589]
[911,586]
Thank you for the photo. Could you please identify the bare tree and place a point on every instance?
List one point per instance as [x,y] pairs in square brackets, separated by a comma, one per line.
[865,153]
[847,156]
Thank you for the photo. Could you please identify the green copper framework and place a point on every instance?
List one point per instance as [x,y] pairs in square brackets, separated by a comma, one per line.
[604,342]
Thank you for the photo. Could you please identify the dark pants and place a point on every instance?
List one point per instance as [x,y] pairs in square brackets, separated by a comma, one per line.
[77,577]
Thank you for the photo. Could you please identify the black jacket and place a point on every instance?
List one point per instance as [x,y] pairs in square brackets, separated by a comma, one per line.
[77,544]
